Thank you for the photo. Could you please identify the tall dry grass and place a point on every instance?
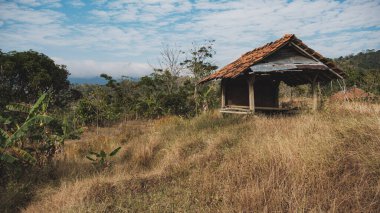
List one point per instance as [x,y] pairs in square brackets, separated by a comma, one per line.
[328,161]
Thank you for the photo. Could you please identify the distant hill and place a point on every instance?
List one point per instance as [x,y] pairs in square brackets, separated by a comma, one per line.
[370,59]
[94,80]
[91,80]
[362,69]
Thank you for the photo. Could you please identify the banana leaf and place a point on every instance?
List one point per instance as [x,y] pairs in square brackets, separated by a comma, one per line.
[94,153]
[3,137]
[26,126]
[90,158]
[24,155]
[18,108]
[7,158]
[114,152]
[37,105]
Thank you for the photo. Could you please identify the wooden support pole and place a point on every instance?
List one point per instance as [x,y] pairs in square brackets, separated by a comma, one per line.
[251,79]
[315,93]
[276,94]
[223,85]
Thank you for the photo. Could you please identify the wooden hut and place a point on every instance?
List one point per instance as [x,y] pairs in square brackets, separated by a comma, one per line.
[252,82]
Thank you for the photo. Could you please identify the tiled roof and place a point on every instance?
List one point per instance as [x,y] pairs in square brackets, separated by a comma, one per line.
[250,58]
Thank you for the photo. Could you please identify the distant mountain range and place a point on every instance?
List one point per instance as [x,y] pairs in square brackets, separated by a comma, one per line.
[93,80]
[363,61]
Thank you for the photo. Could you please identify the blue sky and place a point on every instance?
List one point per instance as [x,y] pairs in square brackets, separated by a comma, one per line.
[124,37]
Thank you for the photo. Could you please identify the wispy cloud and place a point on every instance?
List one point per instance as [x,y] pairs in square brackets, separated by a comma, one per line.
[115,33]
[37,3]
[14,13]
[76,3]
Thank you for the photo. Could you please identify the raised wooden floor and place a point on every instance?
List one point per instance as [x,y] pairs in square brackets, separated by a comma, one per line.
[245,109]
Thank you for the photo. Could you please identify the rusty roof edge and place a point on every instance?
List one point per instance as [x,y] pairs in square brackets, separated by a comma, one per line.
[341,74]
[288,38]
[291,37]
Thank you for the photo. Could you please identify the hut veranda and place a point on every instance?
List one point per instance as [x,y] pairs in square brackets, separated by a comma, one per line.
[252,82]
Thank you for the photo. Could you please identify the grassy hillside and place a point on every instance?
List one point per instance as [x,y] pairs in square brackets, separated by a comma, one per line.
[329,161]
[369,59]
[362,69]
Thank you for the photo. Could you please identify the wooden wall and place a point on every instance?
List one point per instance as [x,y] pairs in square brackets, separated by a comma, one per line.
[265,90]
[237,91]
[266,93]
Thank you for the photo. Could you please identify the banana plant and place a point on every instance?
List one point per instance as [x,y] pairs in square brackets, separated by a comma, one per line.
[100,159]
[36,117]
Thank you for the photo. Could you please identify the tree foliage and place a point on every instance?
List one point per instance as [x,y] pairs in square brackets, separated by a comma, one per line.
[199,65]
[167,91]
[363,70]
[24,76]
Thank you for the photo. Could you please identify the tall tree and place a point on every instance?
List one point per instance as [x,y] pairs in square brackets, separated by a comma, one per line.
[170,66]
[26,75]
[199,65]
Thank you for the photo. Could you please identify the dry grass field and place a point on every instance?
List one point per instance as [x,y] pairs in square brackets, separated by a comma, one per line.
[318,162]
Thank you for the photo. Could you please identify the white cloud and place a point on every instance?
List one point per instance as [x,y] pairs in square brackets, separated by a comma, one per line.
[37,3]
[85,68]
[140,10]
[340,44]
[99,2]
[134,30]
[11,12]
[77,3]
[246,24]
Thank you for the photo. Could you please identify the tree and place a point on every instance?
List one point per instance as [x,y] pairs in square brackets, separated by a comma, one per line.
[170,60]
[24,76]
[170,66]
[199,65]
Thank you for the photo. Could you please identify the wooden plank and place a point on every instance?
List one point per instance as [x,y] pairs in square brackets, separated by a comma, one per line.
[236,109]
[246,111]
[235,112]
[237,106]
[273,108]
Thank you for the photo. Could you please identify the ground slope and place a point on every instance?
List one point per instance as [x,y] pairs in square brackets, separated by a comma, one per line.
[329,161]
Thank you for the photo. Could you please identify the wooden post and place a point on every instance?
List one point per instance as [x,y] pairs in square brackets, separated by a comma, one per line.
[223,85]
[315,94]
[251,80]
[276,94]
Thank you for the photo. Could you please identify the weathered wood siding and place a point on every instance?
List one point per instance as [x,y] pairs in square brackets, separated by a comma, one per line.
[237,91]
[288,55]
[266,92]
